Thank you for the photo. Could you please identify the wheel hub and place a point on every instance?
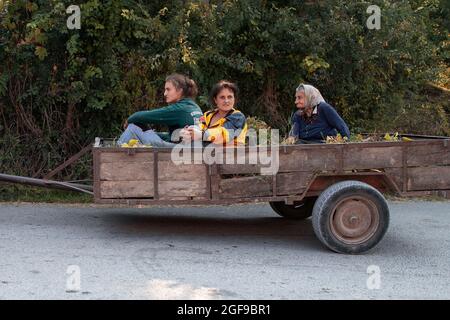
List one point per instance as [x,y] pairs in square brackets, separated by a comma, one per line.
[354,220]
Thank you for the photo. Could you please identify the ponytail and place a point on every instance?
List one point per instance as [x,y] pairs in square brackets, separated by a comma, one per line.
[187,85]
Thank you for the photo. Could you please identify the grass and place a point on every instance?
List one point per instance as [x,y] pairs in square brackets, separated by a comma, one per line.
[19,193]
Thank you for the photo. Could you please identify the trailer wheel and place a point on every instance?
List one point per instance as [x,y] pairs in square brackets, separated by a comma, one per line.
[299,210]
[350,217]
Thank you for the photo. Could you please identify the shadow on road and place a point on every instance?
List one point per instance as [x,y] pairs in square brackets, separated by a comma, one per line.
[177,224]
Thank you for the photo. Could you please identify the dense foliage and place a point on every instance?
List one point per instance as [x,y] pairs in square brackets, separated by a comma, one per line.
[60,88]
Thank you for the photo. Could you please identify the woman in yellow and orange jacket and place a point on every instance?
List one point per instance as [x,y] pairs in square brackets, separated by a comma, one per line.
[225,124]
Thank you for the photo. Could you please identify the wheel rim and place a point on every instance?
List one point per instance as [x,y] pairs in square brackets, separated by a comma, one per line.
[354,220]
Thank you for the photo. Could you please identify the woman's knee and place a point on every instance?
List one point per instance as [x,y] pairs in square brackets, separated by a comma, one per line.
[134,128]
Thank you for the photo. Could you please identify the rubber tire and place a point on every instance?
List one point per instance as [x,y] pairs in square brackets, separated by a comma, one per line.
[294,212]
[326,202]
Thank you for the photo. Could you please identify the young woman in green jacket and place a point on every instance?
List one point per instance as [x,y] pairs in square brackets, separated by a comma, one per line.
[179,93]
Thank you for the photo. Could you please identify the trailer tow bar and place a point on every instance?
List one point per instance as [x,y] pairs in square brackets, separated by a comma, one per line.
[47,183]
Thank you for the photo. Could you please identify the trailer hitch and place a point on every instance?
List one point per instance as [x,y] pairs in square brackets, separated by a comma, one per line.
[47,183]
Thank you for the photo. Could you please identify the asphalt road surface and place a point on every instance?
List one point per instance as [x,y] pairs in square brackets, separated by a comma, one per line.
[217,252]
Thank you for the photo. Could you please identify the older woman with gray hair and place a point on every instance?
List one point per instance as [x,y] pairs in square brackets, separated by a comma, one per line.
[315,120]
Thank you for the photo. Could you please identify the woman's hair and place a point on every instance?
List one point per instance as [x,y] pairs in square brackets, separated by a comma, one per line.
[219,86]
[186,84]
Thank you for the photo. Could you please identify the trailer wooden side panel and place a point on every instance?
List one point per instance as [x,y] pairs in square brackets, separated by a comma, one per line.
[123,175]
[289,183]
[409,168]
[126,189]
[181,181]
[310,159]
[363,157]
[435,153]
[428,178]
[257,186]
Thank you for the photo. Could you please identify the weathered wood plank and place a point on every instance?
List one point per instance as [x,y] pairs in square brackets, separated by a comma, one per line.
[257,186]
[126,189]
[178,156]
[126,171]
[215,181]
[96,160]
[180,188]
[309,159]
[240,160]
[426,155]
[359,157]
[293,182]
[182,155]
[184,180]
[107,157]
[428,178]
[167,170]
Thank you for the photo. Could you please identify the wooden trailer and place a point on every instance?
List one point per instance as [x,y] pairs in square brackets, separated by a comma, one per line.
[340,185]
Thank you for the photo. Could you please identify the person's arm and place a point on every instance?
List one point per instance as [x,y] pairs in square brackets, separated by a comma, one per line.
[166,115]
[231,129]
[335,120]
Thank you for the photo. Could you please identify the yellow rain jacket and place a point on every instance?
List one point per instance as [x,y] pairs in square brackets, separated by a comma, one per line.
[232,127]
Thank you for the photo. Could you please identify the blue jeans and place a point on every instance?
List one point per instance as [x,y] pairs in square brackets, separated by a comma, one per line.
[148,137]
